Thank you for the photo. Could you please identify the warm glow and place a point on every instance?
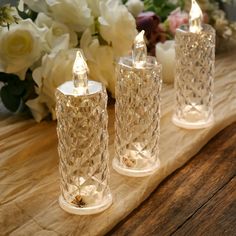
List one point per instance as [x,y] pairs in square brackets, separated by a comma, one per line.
[80,74]
[139,52]
[139,39]
[195,18]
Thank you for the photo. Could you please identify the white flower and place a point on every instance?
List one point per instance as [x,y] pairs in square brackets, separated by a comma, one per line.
[37,108]
[58,35]
[74,14]
[94,5]
[135,7]
[21,46]
[54,71]
[100,59]
[36,5]
[117,26]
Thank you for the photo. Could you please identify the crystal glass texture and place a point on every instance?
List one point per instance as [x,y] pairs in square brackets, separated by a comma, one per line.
[137,117]
[83,149]
[194,75]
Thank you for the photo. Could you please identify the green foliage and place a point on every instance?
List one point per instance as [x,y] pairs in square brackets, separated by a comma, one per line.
[27,13]
[16,92]
[162,7]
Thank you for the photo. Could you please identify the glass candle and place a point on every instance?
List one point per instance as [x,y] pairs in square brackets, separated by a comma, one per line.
[137,112]
[195,60]
[83,148]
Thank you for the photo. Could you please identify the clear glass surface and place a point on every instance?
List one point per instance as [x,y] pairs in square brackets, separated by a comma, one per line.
[83,149]
[195,61]
[137,117]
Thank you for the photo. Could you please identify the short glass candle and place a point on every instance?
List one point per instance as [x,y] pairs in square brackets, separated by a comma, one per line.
[83,149]
[194,77]
[137,117]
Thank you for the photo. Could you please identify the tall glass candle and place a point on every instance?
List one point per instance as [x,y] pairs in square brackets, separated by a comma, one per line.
[194,75]
[137,114]
[83,144]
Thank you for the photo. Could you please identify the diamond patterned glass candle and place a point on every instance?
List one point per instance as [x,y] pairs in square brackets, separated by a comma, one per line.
[137,116]
[83,147]
[195,59]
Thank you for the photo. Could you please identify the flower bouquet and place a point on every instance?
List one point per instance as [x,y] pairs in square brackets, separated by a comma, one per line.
[39,40]
[39,45]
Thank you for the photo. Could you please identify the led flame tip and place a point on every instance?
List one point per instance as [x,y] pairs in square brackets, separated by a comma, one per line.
[195,18]
[139,52]
[140,37]
[80,74]
[80,65]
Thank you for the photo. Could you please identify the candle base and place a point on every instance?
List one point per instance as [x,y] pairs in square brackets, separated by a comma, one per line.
[135,172]
[193,125]
[89,210]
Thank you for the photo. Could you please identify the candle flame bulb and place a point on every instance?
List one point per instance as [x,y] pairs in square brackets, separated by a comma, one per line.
[139,52]
[80,74]
[196,16]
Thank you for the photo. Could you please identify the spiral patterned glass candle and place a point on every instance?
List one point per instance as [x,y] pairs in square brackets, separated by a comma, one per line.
[83,149]
[195,61]
[137,117]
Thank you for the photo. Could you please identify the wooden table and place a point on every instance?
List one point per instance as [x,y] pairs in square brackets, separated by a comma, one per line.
[198,199]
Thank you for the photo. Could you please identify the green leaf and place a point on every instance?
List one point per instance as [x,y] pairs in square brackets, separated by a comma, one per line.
[10,101]
[159,2]
[162,7]
[29,85]
[27,13]
[16,87]
[4,77]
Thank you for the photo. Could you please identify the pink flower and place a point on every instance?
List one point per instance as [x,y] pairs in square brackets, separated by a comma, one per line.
[176,19]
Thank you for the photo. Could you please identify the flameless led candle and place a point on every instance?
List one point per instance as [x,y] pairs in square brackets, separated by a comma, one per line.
[194,75]
[137,112]
[165,54]
[83,143]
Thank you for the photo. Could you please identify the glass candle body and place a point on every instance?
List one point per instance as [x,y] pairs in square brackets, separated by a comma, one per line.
[137,118]
[194,77]
[83,149]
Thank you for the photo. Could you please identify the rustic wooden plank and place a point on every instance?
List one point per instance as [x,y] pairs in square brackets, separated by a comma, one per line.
[185,191]
[216,217]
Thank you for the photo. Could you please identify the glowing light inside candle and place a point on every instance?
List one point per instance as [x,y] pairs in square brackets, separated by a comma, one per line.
[80,75]
[139,52]
[195,18]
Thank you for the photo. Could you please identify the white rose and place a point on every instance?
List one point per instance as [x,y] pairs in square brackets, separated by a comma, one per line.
[21,46]
[94,5]
[38,109]
[54,71]
[100,59]
[36,5]
[75,14]
[117,26]
[135,7]
[58,35]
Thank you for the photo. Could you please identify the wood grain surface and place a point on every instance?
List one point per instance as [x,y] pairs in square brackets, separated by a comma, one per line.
[198,199]
[29,177]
